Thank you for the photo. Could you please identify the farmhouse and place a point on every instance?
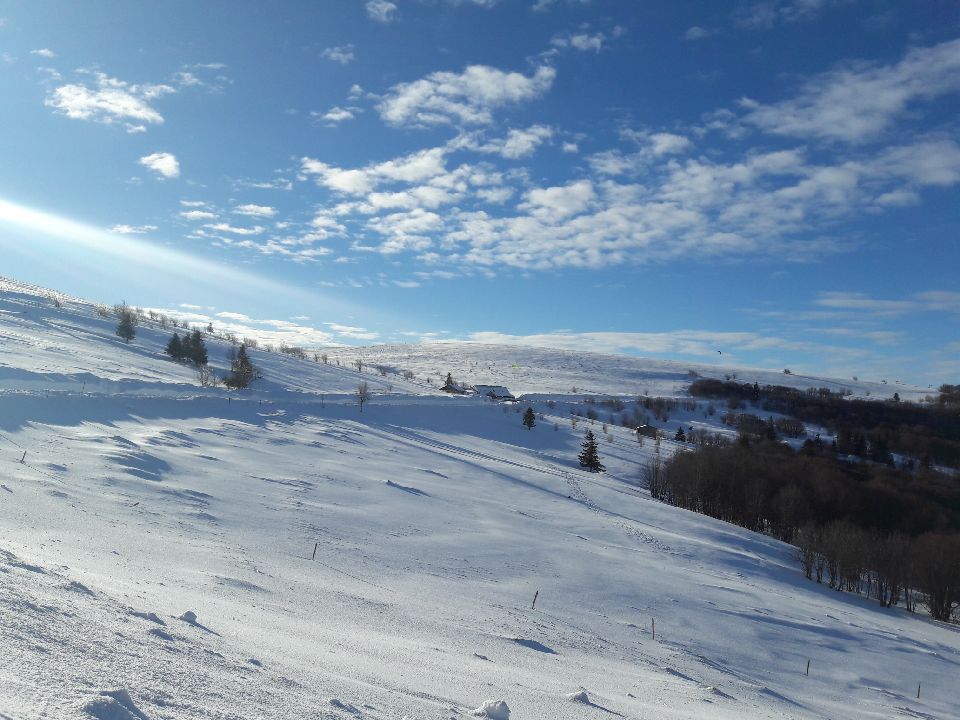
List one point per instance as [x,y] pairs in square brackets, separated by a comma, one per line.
[494,392]
[648,431]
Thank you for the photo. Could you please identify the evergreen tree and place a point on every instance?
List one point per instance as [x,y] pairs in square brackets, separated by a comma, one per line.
[198,349]
[127,326]
[529,419]
[174,347]
[680,436]
[186,346]
[588,455]
[242,371]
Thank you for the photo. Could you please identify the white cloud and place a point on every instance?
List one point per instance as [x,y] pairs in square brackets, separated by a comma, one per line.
[263,211]
[861,302]
[133,229]
[187,79]
[927,301]
[357,333]
[266,331]
[163,163]
[768,13]
[898,198]
[342,54]
[381,10]
[651,147]
[858,102]
[927,162]
[337,114]
[198,215]
[668,144]
[44,53]
[232,229]
[698,33]
[544,5]
[776,203]
[559,202]
[202,75]
[415,167]
[468,97]
[496,195]
[519,143]
[941,300]
[580,41]
[110,101]
[409,230]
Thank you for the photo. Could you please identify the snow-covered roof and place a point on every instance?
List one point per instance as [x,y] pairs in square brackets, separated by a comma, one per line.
[495,390]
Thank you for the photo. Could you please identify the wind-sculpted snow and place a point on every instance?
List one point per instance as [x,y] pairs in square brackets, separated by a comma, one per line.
[276,554]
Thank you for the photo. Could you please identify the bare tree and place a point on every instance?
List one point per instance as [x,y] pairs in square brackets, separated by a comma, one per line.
[363,394]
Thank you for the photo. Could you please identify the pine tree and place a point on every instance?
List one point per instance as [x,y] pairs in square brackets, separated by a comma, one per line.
[680,436]
[529,419]
[198,349]
[242,371]
[588,455]
[127,326]
[174,347]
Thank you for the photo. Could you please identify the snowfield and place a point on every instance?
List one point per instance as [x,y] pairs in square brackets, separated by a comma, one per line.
[174,551]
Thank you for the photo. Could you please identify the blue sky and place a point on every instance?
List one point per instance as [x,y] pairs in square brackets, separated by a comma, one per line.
[776,180]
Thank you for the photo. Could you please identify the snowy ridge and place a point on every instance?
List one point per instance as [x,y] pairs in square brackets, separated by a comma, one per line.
[172,551]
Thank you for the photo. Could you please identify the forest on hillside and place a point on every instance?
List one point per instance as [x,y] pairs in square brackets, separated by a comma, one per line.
[863,521]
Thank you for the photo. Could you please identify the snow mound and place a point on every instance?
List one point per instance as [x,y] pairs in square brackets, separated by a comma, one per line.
[189,617]
[113,705]
[579,697]
[493,709]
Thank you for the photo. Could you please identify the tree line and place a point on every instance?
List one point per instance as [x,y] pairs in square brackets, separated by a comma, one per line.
[929,432]
[860,526]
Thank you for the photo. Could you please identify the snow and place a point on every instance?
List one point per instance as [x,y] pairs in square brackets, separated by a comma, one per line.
[156,552]
[494,710]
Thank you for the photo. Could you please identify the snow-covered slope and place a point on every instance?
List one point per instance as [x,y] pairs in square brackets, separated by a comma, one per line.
[532,370]
[171,551]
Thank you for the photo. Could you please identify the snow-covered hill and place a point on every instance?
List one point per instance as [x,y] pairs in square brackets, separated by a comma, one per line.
[173,551]
[532,370]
